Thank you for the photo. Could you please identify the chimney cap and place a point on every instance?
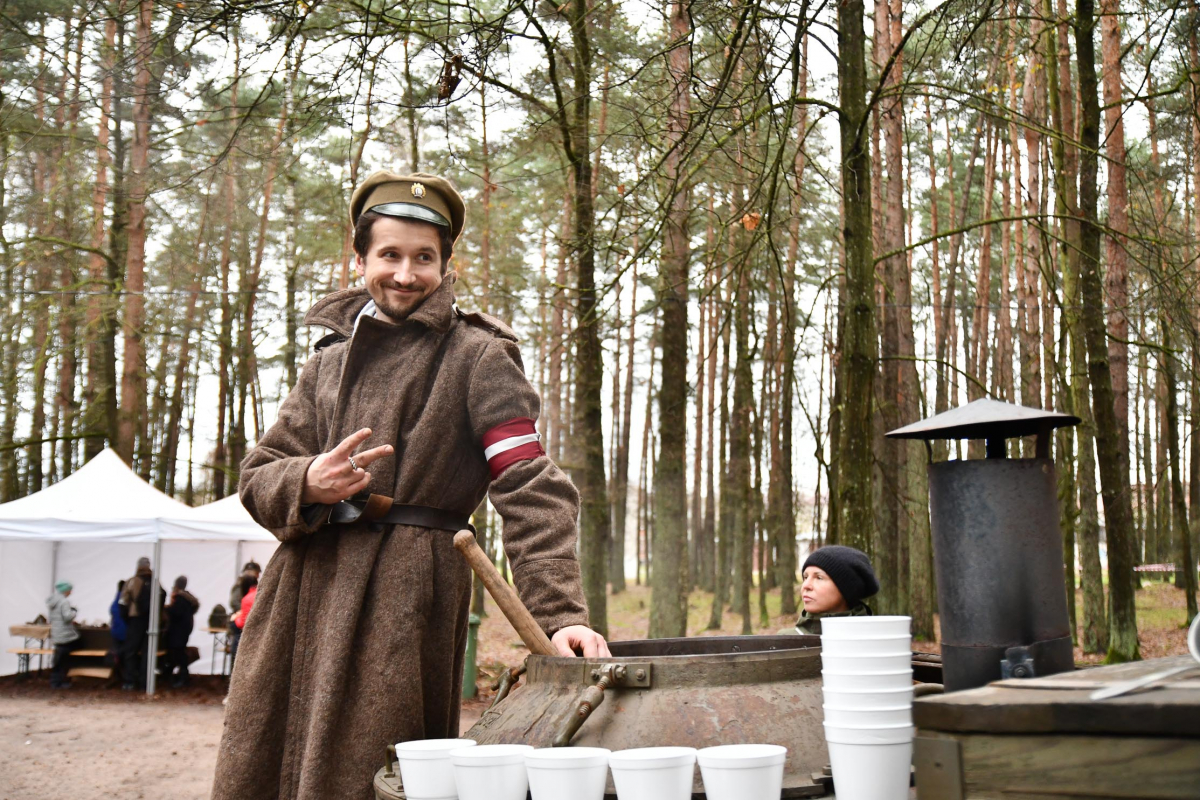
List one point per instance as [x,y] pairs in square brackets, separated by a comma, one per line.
[985,419]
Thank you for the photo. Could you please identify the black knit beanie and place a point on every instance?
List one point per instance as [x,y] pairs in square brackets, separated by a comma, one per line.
[849,569]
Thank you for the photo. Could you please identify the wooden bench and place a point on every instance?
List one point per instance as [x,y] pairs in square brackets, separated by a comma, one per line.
[23,655]
[89,653]
[103,673]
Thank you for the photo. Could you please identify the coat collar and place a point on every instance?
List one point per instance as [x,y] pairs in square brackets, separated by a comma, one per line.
[338,311]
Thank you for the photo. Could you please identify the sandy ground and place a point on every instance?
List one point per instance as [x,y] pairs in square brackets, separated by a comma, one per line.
[104,743]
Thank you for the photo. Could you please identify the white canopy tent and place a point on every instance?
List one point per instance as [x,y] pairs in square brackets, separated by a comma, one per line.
[91,527]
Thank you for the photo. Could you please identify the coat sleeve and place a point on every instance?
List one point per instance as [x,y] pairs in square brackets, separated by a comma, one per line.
[537,501]
[272,477]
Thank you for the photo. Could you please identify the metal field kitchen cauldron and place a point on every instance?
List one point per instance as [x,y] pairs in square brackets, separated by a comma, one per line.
[693,692]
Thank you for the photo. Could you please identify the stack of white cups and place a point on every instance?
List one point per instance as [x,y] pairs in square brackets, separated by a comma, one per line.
[867,681]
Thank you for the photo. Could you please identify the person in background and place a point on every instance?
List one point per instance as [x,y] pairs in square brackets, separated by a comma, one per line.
[135,610]
[236,593]
[181,612]
[249,587]
[116,627]
[63,635]
[836,580]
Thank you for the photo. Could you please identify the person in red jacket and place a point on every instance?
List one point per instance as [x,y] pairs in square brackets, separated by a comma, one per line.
[249,591]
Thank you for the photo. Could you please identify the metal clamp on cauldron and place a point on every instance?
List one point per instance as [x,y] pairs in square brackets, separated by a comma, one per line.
[626,676]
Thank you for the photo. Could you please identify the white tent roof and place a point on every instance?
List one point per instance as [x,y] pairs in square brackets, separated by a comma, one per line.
[101,501]
[224,520]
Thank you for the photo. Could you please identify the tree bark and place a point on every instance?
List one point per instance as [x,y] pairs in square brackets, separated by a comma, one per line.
[856,522]
[1175,459]
[670,583]
[588,435]
[1117,277]
[133,378]
[1114,461]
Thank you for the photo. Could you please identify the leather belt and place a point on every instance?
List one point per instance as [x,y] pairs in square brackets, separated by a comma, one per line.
[383,510]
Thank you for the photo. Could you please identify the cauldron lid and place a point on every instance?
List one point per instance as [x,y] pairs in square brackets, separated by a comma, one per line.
[985,419]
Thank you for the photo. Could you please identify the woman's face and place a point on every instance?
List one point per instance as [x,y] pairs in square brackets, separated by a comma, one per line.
[820,594]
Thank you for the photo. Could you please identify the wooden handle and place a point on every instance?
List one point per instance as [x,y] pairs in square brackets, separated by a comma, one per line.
[516,612]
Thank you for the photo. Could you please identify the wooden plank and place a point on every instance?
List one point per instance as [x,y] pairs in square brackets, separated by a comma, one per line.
[30,631]
[90,653]
[1150,768]
[30,651]
[90,672]
[1168,709]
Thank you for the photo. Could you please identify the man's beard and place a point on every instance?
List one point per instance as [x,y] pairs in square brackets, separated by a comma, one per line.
[400,310]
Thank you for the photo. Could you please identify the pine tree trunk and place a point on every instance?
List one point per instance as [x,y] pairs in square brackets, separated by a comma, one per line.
[1113,460]
[131,417]
[1117,277]
[1184,553]
[670,583]
[726,505]
[588,433]
[96,414]
[856,522]
[220,464]
[616,556]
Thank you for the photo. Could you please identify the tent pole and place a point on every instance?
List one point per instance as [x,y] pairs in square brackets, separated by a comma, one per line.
[237,565]
[54,566]
[155,618]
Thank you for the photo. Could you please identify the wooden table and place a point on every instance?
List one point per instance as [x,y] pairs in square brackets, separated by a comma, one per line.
[222,642]
[1045,737]
[28,634]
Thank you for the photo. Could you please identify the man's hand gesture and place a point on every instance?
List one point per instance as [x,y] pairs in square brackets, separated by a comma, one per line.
[341,473]
[575,638]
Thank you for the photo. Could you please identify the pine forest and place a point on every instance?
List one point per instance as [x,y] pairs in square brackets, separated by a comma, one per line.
[739,240]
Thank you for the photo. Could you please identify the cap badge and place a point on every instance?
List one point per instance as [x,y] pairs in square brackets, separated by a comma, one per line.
[418,190]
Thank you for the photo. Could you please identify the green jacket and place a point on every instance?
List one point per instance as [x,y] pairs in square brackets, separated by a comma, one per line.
[810,624]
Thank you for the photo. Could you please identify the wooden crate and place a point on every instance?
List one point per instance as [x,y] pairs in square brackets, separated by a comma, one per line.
[1044,738]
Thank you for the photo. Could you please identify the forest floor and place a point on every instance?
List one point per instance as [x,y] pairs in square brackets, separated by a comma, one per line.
[94,742]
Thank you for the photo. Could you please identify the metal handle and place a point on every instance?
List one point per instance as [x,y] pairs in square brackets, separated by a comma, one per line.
[591,698]
[505,683]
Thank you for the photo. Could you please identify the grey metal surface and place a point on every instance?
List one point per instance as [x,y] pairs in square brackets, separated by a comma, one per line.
[704,691]
[998,559]
[985,419]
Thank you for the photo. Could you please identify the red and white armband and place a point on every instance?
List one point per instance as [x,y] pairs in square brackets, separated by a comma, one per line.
[510,442]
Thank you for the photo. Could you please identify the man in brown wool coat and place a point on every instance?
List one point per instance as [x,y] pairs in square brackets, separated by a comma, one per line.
[356,639]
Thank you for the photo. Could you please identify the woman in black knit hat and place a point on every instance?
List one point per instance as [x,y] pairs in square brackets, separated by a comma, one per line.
[836,581]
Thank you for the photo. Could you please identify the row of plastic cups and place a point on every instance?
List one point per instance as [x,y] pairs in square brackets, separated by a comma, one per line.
[457,769]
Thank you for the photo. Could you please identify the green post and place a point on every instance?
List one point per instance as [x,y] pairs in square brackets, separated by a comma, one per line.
[469,670]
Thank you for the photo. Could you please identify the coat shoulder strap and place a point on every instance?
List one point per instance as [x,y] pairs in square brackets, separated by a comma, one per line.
[487,322]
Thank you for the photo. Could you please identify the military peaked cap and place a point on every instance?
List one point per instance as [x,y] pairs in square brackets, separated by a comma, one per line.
[420,196]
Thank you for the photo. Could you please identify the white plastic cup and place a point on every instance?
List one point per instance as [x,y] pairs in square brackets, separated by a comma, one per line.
[868,698]
[871,771]
[654,773]
[872,681]
[897,715]
[868,734]
[880,646]
[579,773]
[864,627]
[491,772]
[856,665]
[742,771]
[426,770]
